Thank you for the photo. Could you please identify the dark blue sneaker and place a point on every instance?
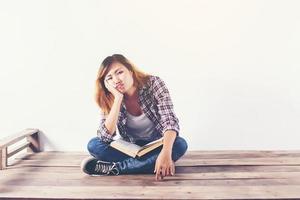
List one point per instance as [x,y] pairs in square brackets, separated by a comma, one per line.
[95,167]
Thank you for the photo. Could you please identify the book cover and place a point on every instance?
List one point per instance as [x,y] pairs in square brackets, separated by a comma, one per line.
[135,150]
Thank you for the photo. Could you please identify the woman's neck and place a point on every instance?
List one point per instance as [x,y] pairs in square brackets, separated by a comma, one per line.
[131,94]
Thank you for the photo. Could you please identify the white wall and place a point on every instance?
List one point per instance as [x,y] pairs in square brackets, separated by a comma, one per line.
[232,67]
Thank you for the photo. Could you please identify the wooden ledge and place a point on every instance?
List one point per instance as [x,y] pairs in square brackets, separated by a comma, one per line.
[32,144]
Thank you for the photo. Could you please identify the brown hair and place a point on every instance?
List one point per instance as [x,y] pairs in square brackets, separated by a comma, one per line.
[103,97]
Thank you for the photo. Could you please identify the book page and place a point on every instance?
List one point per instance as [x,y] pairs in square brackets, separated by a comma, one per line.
[152,143]
[150,146]
[126,147]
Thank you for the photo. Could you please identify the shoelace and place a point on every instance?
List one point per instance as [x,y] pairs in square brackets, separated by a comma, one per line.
[106,168]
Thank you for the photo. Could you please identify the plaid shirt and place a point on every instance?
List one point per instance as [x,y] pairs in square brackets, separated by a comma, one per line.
[155,101]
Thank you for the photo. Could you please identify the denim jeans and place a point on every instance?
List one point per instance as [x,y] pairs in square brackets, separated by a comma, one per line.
[145,164]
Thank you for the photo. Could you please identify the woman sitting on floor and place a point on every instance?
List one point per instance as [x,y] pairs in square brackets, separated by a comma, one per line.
[140,106]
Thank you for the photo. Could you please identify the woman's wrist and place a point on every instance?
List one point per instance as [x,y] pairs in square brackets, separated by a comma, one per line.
[167,146]
[169,137]
[119,98]
[166,150]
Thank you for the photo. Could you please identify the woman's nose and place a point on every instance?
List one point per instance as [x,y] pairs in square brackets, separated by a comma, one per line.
[116,80]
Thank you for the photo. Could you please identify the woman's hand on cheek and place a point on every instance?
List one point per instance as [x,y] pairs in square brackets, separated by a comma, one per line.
[112,89]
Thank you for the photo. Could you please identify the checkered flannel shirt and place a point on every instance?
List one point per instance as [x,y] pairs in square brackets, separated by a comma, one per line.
[155,101]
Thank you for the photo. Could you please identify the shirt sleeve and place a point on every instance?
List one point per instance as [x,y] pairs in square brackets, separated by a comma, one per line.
[168,119]
[103,132]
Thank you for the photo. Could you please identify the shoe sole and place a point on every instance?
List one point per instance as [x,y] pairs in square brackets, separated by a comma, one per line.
[84,162]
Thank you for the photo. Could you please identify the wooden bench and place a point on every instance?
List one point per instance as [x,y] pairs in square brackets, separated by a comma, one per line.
[32,144]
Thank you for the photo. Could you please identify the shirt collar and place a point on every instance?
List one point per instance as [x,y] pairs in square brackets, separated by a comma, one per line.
[140,92]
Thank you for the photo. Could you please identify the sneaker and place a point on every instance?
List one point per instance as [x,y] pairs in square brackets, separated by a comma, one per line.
[95,167]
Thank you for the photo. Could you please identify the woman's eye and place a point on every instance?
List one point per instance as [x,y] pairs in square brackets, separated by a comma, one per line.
[120,72]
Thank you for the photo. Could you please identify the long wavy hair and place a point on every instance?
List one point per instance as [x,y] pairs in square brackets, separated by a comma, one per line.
[103,97]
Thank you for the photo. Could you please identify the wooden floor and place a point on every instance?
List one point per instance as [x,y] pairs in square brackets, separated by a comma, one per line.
[199,175]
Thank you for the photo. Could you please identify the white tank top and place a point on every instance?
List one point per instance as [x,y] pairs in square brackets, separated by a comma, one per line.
[140,127]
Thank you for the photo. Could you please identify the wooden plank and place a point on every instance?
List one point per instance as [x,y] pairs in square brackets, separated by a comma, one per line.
[230,154]
[168,181]
[34,143]
[30,175]
[17,137]
[239,155]
[209,154]
[246,161]
[153,192]
[182,162]
[238,168]
[205,152]
[188,155]
[179,169]
[18,148]
[3,158]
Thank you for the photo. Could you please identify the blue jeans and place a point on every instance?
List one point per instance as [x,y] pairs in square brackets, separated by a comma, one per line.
[128,165]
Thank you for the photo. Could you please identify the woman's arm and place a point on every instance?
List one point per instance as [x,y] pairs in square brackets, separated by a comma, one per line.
[164,165]
[112,118]
[108,123]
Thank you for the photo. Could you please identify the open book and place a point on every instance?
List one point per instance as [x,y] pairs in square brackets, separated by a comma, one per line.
[134,150]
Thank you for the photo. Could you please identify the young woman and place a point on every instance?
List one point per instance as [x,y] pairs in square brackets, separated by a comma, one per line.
[140,106]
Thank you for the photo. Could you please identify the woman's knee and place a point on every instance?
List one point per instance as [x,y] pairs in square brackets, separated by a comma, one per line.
[96,146]
[180,145]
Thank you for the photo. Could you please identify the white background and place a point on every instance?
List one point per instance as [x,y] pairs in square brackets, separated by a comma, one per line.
[232,67]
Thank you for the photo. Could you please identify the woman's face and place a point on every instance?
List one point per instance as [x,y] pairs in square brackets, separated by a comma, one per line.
[119,77]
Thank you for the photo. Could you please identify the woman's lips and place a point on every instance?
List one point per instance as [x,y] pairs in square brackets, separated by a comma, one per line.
[120,86]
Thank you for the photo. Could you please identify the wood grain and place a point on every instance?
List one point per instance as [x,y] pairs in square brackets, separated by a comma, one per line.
[199,175]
